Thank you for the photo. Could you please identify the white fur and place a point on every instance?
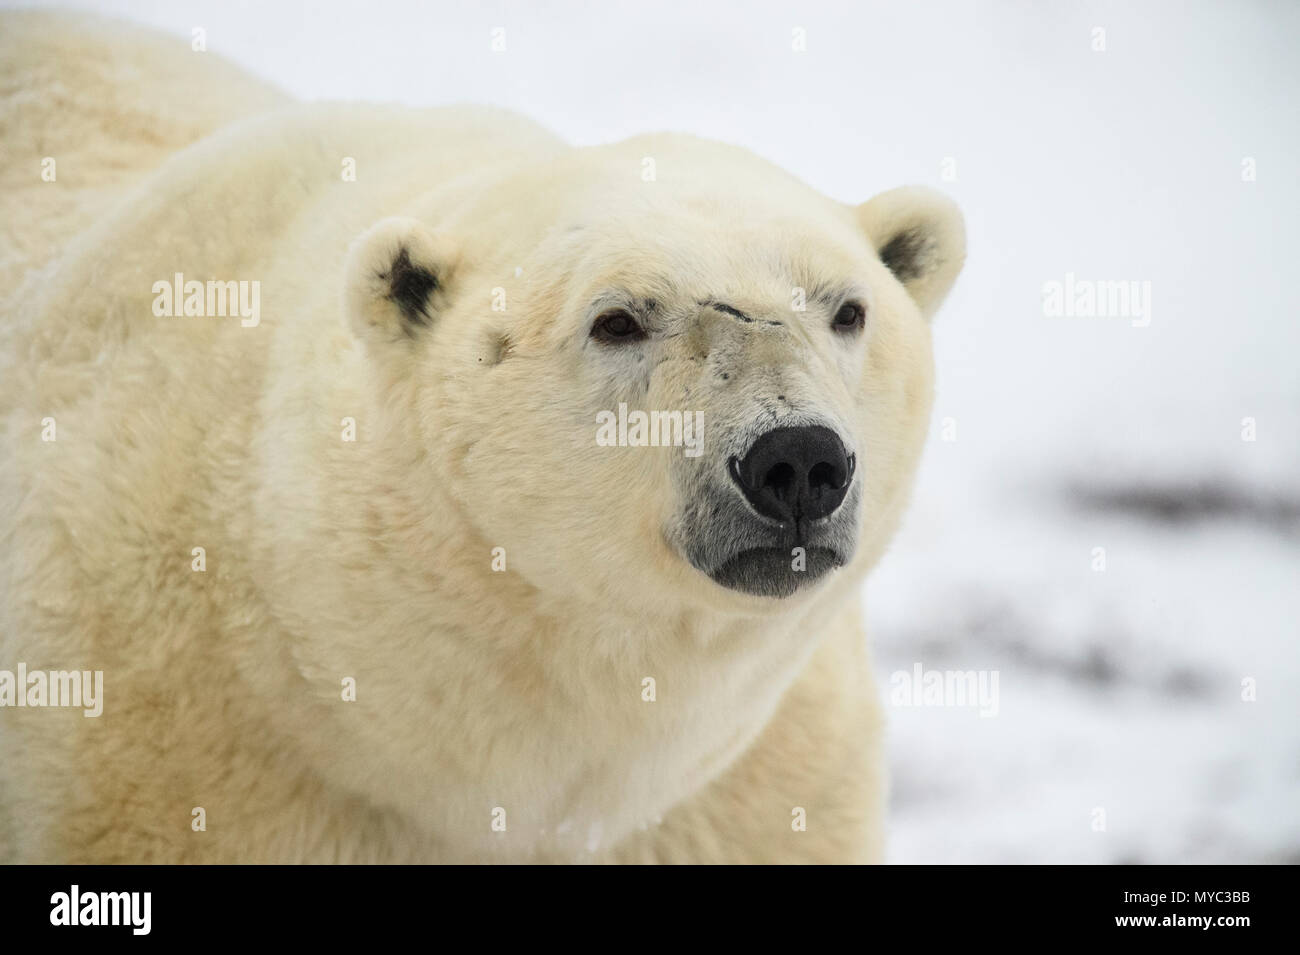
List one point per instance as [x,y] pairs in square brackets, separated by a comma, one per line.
[372,560]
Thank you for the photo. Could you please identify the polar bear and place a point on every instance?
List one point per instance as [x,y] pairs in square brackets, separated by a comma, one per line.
[426,489]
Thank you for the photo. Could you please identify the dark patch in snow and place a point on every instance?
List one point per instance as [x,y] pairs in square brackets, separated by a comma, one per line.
[988,633]
[1182,502]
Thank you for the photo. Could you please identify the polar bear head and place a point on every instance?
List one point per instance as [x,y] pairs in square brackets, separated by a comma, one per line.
[662,375]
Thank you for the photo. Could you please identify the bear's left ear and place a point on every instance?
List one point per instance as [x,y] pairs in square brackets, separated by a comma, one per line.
[395,280]
[920,237]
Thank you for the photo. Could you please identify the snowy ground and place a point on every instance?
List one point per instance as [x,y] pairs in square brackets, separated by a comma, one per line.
[1120,689]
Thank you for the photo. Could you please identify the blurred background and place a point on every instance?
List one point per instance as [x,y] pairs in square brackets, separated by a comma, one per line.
[1108,513]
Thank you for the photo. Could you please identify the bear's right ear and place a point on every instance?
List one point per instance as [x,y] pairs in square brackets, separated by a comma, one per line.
[395,280]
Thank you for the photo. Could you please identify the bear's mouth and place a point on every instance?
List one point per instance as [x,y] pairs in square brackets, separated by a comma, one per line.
[721,534]
[775,571]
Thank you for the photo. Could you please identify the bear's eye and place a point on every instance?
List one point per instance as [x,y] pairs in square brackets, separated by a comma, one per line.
[618,327]
[850,317]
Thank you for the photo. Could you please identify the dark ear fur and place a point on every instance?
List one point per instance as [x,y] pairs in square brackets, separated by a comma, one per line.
[920,237]
[395,279]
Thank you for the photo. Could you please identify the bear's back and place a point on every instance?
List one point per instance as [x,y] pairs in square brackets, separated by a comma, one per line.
[129,425]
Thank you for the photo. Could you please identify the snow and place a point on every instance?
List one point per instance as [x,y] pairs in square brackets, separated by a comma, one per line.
[1121,689]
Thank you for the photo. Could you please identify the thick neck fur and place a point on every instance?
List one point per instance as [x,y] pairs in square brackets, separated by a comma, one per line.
[395,599]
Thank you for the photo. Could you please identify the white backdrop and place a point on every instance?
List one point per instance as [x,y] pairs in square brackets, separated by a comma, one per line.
[1120,689]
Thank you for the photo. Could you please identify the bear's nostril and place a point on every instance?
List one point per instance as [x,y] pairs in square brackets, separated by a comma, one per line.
[823,475]
[830,475]
[781,479]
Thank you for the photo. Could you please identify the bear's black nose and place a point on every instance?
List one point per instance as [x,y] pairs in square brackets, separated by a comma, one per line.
[798,474]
